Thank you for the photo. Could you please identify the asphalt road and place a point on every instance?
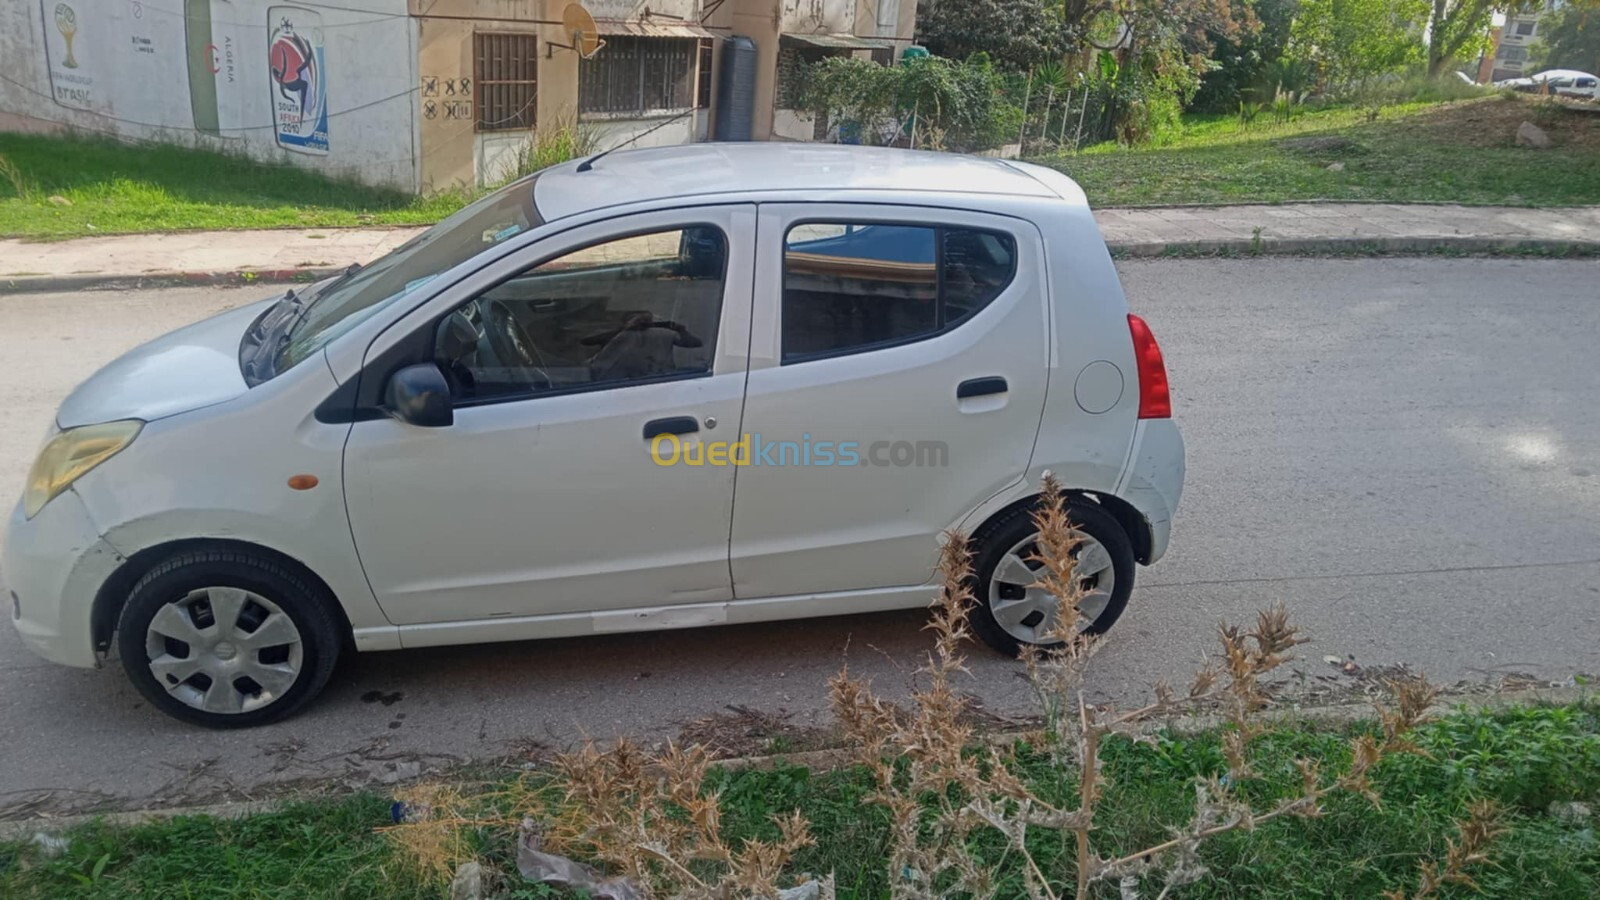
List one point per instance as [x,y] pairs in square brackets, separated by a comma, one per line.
[1406,452]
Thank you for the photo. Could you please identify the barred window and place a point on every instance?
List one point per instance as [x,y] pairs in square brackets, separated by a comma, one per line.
[505,80]
[702,96]
[640,75]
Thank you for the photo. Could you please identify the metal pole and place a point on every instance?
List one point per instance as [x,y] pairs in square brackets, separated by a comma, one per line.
[1077,138]
[1044,127]
[1027,94]
[1066,116]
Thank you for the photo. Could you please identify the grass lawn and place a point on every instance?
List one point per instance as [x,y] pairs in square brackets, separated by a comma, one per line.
[1524,759]
[1462,152]
[116,188]
[1457,152]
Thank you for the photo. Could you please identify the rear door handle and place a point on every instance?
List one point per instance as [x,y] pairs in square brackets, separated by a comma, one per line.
[675,425]
[979,387]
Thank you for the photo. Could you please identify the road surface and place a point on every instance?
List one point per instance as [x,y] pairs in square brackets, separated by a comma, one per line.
[1405,451]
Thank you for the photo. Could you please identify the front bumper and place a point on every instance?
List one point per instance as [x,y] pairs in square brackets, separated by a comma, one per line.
[51,567]
[1154,482]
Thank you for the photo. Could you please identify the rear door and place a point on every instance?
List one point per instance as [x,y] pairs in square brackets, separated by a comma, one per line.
[897,378]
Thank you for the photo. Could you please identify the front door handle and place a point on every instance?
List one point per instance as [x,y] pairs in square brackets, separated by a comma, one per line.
[979,387]
[675,425]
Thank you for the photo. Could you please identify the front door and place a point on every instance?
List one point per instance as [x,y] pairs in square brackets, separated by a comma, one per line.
[897,376]
[543,497]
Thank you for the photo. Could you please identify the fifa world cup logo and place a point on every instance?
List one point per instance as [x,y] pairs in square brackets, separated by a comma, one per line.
[67,24]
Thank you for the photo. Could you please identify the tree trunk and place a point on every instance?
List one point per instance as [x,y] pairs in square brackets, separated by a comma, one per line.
[1436,29]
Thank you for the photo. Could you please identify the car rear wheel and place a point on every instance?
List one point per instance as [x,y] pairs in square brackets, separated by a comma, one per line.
[1011,613]
[227,639]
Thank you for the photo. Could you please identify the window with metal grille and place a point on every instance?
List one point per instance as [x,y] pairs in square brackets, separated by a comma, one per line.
[637,75]
[702,94]
[506,79]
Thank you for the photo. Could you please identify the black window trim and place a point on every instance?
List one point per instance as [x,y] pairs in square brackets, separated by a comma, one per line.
[940,326]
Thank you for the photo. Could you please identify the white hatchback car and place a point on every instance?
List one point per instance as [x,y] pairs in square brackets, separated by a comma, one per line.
[657,389]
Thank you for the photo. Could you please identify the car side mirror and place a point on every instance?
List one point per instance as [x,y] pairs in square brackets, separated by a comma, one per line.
[419,395]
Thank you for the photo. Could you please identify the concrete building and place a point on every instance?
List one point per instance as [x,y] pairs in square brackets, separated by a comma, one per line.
[1511,50]
[420,95]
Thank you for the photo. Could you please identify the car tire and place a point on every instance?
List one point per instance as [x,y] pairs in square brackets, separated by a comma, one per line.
[1002,538]
[278,654]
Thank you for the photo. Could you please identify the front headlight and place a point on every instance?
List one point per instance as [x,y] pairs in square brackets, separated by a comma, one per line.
[70,455]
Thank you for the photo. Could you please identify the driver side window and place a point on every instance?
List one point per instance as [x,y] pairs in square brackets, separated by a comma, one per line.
[635,309]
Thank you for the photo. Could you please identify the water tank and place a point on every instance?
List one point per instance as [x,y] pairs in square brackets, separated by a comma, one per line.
[736,91]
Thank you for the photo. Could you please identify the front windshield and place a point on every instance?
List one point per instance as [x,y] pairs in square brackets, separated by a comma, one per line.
[499,216]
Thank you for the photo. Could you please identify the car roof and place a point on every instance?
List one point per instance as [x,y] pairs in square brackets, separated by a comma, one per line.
[691,170]
[1560,73]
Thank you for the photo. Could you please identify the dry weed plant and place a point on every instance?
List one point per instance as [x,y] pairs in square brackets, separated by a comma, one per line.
[650,817]
[649,821]
[1480,828]
[646,818]
[938,791]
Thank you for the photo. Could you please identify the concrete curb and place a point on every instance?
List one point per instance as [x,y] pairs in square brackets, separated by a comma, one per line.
[836,758]
[136,281]
[1377,245]
[1236,247]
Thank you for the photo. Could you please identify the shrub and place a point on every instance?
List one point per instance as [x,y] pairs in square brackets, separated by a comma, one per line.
[546,147]
[934,102]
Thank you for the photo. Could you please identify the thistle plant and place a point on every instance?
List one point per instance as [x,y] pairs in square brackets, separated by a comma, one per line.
[939,790]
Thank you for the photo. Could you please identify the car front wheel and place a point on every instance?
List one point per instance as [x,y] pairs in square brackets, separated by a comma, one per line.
[1011,613]
[227,639]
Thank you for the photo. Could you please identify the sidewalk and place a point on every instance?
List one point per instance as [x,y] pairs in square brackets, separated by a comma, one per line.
[245,256]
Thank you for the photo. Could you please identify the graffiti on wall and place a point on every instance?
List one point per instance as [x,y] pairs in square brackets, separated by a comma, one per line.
[297,66]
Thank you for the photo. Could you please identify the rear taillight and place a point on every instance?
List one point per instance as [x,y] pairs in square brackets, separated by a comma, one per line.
[1155,397]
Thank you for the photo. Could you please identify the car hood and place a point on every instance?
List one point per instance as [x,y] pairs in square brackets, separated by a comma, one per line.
[195,366]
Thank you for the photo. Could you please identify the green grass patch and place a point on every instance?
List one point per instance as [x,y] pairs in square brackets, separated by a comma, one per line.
[112,187]
[312,849]
[1523,758]
[1454,153]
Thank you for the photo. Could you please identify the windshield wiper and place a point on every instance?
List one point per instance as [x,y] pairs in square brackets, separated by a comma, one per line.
[341,278]
[316,298]
[261,343]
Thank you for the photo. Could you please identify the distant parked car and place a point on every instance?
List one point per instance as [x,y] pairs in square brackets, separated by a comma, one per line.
[478,436]
[1560,82]
[1465,78]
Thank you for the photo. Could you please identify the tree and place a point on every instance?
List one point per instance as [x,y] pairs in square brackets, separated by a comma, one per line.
[1569,38]
[1349,42]
[1459,28]
[1251,64]
[1016,34]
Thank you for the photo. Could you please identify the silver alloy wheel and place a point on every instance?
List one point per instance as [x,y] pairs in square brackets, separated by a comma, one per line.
[224,650]
[1027,612]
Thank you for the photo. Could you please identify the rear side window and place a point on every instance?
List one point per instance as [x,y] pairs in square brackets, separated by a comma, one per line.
[850,287]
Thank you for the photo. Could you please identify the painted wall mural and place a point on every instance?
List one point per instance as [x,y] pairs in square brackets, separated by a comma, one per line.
[297,64]
[71,83]
[244,71]
[215,56]
[251,75]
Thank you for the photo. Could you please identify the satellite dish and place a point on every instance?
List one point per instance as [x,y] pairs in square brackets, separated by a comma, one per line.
[580,30]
